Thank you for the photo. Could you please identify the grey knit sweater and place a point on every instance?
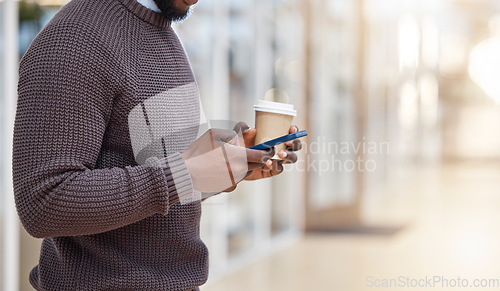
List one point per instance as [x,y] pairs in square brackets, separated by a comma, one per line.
[107,101]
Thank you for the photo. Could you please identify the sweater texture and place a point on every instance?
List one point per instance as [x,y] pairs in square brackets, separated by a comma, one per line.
[107,102]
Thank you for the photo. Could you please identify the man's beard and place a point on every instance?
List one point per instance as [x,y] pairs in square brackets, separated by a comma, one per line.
[170,12]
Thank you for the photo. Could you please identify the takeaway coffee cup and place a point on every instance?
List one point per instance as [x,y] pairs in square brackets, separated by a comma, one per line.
[272,120]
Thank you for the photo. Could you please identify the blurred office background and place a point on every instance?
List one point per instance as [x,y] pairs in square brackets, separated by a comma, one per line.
[400,173]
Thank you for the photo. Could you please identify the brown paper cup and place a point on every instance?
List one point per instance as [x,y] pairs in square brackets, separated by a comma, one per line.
[272,120]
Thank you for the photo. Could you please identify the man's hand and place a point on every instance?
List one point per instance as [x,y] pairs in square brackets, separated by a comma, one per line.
[219,160]
[271,167]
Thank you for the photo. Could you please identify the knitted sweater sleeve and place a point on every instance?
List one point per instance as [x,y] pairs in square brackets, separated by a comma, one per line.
[66,88]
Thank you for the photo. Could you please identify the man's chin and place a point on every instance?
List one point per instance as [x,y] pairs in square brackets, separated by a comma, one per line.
[177,15]
[175,11]
[181,16]
[183,11]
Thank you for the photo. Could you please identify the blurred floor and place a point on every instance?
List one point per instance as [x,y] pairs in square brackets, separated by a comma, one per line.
[451,218]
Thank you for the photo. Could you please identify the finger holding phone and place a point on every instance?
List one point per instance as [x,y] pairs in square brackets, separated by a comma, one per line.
[218,160]
[274,167]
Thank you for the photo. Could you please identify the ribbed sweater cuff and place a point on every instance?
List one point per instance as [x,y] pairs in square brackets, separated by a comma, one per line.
[180,185]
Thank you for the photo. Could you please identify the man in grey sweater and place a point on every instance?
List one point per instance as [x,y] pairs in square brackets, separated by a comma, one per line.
[106,162]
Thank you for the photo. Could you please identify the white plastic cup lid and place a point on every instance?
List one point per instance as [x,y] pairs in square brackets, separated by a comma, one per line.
[275,107]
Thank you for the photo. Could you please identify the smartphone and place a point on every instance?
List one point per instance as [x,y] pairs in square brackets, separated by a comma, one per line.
[288,137]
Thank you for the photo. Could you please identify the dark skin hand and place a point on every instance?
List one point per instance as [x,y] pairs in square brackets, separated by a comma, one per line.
[271,167]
